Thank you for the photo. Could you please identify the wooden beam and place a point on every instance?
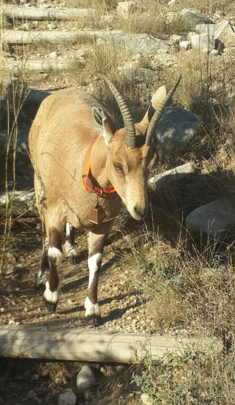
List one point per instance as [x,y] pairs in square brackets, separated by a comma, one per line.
[48,14]
[55,37]
[93,346]
[38,65]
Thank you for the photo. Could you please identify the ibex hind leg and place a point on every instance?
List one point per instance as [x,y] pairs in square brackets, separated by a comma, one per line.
[69,246]
[43,273]
[51,293]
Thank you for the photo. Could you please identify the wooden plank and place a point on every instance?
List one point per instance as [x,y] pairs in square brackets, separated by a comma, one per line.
[48,14]
[77,345]
[55,37]
[38,65]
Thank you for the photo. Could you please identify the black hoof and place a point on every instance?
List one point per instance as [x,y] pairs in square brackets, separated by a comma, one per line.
[73,260]
[51,306]
[93,320]
[40,288]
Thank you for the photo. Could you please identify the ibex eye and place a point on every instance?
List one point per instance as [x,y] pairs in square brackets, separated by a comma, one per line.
[118,168]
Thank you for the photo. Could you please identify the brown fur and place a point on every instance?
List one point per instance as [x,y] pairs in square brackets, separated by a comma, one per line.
[59,142]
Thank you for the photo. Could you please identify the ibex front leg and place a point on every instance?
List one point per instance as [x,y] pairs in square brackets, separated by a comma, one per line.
[69,246]
[51,293]
[96,243]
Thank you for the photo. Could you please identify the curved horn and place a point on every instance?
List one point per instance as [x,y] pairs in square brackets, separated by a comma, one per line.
[157,115]
[126,115]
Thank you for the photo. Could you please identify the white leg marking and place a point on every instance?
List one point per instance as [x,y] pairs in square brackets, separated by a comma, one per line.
[93,262]
[43,276]
[55,254]
[68,228]
[91,309]
[70,250]
[50,296]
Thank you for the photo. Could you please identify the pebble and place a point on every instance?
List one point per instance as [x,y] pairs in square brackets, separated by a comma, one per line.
[146,399]
[85,378]
[68,398]
[31,394]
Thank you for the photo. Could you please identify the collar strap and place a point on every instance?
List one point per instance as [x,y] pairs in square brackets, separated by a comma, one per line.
[87,178]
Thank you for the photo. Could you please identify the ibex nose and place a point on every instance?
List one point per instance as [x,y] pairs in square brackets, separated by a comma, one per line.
[140,212]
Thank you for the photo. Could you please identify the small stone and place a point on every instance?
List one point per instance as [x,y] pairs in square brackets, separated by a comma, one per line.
[68,398]
[175,39]
[58,381]
[27,374]
[53,55]
[146,399]
[125,8]
[11,322]
[51,27]
[31,394]
[35,377]
[85,378]
[214,52]
[185,45]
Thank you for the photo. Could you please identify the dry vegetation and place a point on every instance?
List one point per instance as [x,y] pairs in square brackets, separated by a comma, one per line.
[189,288]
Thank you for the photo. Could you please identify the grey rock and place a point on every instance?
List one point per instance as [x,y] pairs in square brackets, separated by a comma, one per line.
[175,39]
[161,180]
[193,19]
[22,201]
[213,219]
[222,31]
[172,2]
[209,29]
[68,398]
[202,42]
[140,74]
[31,394]
[124,8]
[33,102]
[137,43]
[85,378]
[185,45]
[27,374]
[175,129]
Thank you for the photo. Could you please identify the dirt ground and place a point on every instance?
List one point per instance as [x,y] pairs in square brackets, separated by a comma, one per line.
[20,304]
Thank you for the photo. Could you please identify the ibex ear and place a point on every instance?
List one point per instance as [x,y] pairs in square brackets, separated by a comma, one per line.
[157,99]
[105,123]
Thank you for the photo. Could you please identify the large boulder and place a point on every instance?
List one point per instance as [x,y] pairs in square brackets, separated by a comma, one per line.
[214,219]
[224,32]
[203,42]
[163,179]
[175,129]
[124,8]
[136,43]
[193,19]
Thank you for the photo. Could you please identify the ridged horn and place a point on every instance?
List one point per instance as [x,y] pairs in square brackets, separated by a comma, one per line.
[126,115]
[157,115]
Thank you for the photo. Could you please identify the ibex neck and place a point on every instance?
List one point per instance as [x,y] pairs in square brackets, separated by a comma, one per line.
[96,169]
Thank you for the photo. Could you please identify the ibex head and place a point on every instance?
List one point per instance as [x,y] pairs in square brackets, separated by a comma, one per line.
[131,150]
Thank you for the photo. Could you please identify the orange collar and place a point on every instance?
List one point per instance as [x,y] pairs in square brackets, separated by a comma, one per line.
[88,178]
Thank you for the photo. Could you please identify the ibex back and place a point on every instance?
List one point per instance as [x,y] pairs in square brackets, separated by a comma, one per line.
[83,168]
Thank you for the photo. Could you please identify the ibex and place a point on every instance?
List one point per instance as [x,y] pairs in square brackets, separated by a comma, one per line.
[83,168]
